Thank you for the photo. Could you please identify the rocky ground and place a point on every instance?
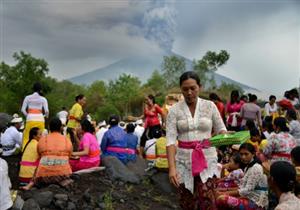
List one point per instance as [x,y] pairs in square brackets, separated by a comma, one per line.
[116,187]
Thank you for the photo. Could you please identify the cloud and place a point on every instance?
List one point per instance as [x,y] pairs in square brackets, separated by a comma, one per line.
[262,39]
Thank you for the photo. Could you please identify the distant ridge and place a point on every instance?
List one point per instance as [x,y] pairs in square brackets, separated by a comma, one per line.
[142,67]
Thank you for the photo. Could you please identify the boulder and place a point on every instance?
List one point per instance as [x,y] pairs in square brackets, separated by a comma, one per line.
[31,204]
[116,170]
[44,199]
[161,181]
[138,167]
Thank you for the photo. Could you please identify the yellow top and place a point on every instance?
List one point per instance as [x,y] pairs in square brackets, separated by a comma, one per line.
[29,160]
[76,113]
[161,153]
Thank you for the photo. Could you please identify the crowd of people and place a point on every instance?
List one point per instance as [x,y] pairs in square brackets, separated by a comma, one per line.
[260,173]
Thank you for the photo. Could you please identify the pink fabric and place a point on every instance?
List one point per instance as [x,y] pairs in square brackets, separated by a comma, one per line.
[121,150]
[78,165]
[89,140]
[231,108]
[28,163]
[198,159]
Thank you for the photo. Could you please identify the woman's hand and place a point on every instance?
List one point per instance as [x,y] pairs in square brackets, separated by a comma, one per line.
[174,177]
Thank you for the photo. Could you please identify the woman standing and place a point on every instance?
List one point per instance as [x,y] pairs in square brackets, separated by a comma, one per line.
[35,108]
[194,166]
[76,112]
[152,122]
[251,111]
[233,109]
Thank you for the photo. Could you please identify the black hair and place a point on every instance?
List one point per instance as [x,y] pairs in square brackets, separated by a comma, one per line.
[295,154]
[33,132]
[37,87]
[214,97]
[63,108]
[252,97]
[267,123]
[87,126]
[284,175]
[55,125]
[156,133]
[189,75]
[152,98]
[294,92]
[234,93]
[287,94]
[130,128]
[292,114]
[79,97]
[281,123]
[250,124]
[272,97]
[249,147]
[237,159]
[73,138]
[254,132]
[244,98]
[113,120]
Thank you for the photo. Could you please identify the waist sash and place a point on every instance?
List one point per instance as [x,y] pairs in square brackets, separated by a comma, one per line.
[199,162]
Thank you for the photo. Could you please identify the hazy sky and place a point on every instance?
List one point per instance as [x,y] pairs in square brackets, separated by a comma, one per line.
[77,36]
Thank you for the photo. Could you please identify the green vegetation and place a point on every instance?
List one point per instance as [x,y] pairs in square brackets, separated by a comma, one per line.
[123,96]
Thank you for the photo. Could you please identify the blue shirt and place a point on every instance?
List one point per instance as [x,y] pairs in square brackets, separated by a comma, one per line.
[132,141]
[114,137]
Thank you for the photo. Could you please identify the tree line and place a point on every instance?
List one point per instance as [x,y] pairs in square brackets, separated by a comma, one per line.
[123,96]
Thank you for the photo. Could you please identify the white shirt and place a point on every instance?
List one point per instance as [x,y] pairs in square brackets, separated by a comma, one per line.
[11,138]
[288,201]
[5,185]
[269,109]
[182,126]
[295,130]
[100,134]
[63,116]
[138,131]
[35,101]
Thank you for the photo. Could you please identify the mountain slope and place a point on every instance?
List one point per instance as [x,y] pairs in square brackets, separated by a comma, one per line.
[141,67]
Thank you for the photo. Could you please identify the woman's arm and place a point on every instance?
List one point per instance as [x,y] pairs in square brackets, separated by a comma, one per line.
[85,151]
[173,176]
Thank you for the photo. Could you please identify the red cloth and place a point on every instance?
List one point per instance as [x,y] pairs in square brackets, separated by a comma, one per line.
[151,116]
[286,104]
[221,109]
[198,159]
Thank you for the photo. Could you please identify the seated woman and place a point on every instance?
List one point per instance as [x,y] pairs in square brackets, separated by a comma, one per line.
[281,143]
[30,157]
[89,150]
[252,193]
[54,150]
[11,139]
[132,141]
[5,198]
[282,181]
[113,142]
[234,167]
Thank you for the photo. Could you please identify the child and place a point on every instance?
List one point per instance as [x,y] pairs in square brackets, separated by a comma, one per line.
[30,158]
[256,141]
[234,167]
